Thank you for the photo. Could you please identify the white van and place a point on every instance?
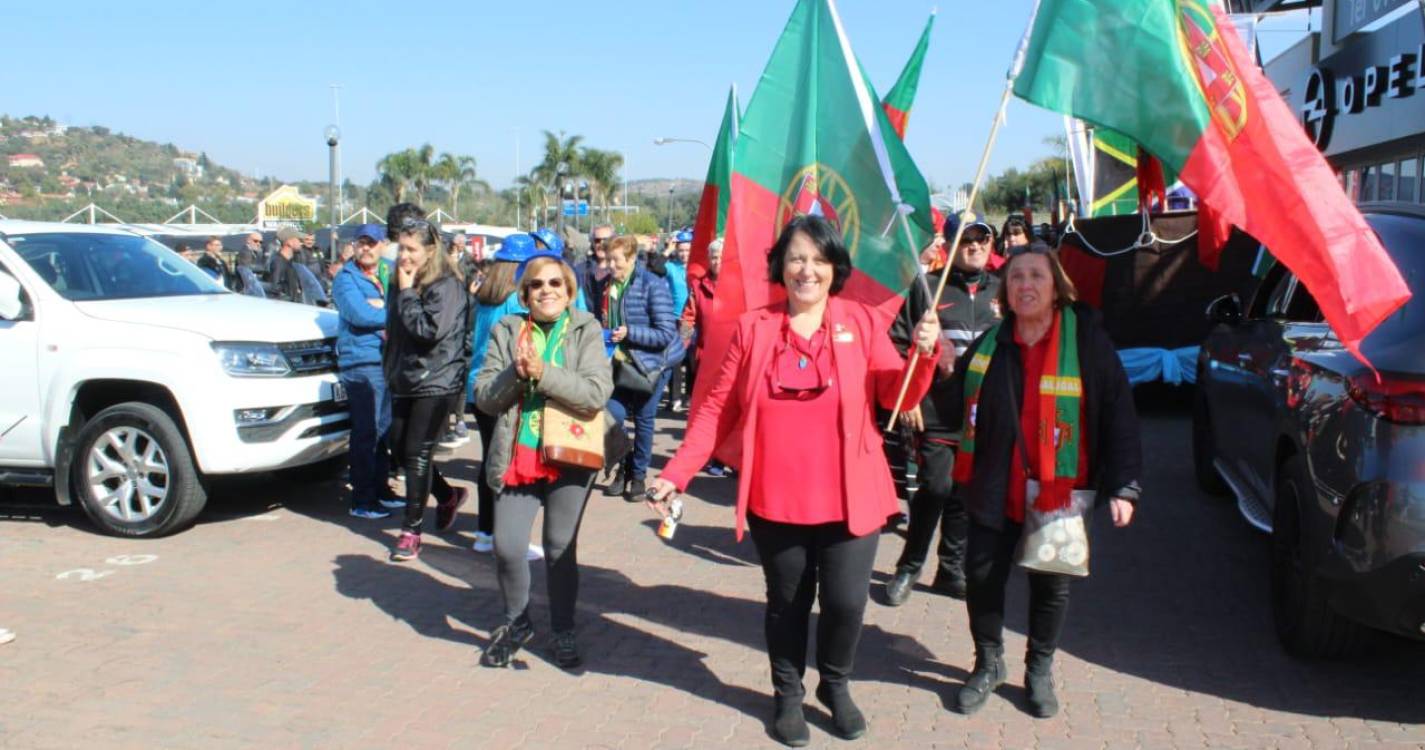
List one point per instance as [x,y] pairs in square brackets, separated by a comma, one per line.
[128,377]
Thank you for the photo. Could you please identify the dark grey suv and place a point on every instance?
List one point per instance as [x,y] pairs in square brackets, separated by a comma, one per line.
[1321,454]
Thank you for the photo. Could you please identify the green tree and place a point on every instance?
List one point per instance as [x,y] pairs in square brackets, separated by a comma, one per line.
[601,170]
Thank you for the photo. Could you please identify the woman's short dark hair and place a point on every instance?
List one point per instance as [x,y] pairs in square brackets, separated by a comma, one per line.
[397,215]
[827,239]
[1065,293]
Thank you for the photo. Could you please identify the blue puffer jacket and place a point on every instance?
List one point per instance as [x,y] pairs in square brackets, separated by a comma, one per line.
[647,310]
[362,329]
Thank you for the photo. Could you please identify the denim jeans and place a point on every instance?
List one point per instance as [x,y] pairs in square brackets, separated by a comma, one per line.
[643,409]
[370,406]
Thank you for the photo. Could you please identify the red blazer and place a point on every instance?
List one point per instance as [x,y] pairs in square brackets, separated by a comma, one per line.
[870,371]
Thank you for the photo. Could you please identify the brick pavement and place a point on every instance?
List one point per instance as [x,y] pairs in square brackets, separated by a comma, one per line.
[277,623]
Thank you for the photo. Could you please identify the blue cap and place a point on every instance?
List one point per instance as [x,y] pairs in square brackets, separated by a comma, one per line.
[370,231]
[516,248]
[549,239]
[969,218]
[683,236]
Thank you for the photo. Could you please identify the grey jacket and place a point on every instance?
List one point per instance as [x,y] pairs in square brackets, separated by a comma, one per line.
[583,384]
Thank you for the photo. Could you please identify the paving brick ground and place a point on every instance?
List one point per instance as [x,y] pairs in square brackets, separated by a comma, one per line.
[278,623]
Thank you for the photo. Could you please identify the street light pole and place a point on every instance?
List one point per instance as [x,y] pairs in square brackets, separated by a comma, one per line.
[333,134]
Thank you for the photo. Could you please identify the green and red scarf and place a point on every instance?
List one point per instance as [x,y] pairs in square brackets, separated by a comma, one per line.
[1061,390]
[527,465]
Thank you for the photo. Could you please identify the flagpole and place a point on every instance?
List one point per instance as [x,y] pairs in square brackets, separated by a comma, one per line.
[955,243]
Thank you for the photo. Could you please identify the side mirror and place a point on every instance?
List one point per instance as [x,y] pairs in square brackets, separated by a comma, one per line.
[12,303]
[1225,310]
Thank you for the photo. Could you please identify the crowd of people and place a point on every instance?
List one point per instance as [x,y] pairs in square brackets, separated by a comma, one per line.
[1014,404]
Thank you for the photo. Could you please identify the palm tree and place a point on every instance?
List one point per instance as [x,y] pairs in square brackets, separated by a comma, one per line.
[398,172]
[531,191]
[601,169]
[561,159]
[456,173]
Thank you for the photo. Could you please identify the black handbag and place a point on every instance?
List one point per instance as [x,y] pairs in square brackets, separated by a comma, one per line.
[617,444]
[630,375]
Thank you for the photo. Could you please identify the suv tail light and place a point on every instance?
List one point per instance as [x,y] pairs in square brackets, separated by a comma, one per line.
[1394,398]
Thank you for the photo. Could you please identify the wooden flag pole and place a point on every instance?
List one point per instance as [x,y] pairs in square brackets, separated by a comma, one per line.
[955,243]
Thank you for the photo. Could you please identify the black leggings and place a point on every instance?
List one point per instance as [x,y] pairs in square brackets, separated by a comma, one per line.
[804,563]
[485,424]
[416,423]
[991,557]
[563,501]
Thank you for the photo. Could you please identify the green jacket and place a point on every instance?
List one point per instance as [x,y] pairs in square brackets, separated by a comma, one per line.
[583,384]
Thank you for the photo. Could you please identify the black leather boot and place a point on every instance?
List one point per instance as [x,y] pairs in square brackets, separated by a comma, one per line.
[846,718]
[789,723]
[989,673]
[950,584]
[1039,688]
[899,588]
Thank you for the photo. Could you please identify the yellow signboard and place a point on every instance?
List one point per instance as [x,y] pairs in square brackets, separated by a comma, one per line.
[286,205]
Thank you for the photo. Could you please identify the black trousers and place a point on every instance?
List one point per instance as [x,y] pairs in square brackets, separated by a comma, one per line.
[485,425]
[416,424]
[991,557]
[935,504]
[563,501]
[805,563]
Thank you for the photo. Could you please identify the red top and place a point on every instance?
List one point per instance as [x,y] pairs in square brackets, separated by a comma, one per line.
[867,371]
[1033,358]
[799,398]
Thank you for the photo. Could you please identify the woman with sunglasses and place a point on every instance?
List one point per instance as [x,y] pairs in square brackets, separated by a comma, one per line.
[797,393]
[425,361]
[554,353]
[1041,397]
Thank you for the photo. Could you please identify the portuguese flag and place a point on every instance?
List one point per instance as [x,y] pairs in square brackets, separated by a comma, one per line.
[815,140]
[902,95]
[1174,76]
[717,190]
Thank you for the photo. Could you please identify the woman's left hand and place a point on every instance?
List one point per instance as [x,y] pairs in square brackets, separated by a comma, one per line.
[927,332]
[1121,510]
[405,277]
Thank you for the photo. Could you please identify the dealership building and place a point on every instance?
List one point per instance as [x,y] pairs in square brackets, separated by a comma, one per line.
[1358,86]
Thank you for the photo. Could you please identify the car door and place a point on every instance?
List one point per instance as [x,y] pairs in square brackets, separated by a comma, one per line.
[1230,382]
[1266,361]
[20,413]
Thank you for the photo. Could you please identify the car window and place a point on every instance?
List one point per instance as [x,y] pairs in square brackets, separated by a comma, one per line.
[1301,307]
[1281,293]
[83,266]
[1404,240]
[1265,291]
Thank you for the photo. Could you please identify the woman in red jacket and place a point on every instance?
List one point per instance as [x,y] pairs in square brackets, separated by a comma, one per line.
[796,394]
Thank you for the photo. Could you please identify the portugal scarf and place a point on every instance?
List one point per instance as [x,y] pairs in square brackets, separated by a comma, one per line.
[527,465]
[1060,393]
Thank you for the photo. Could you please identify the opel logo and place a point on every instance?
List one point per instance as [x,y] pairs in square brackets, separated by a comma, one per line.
[1318,113]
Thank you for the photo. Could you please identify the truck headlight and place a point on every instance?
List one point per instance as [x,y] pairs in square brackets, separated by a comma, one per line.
[251,359]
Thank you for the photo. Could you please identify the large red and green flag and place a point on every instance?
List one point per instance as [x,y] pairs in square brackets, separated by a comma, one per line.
[901,97]
[1173,76]
[717,189]
[815,140]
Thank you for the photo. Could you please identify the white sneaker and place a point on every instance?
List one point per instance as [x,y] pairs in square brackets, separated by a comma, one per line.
[6,636]
[535,552]
[484,543]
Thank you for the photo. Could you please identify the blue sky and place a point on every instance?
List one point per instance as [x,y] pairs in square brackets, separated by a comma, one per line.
[250,83]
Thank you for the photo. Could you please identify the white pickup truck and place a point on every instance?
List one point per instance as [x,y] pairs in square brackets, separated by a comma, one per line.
[128,377]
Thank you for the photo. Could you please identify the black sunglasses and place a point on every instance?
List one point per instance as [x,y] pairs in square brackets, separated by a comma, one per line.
[537,284]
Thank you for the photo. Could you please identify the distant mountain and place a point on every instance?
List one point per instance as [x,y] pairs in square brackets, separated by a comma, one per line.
[659,186]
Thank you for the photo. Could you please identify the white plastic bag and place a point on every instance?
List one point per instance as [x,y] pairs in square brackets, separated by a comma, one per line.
[1055,541]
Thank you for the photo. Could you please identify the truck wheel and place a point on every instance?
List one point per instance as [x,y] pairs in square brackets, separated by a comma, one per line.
[1305,622]
[1204,451]
[133,472]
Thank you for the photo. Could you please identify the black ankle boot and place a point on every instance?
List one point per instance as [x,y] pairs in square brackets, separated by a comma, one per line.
[1039,689]
[846,718]
[789,723]
[989,673]
[899,588]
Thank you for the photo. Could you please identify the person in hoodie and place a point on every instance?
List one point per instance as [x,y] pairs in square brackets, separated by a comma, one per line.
[359,293]
[966,308]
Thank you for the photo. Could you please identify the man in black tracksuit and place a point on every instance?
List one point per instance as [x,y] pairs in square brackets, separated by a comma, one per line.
[967,308]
